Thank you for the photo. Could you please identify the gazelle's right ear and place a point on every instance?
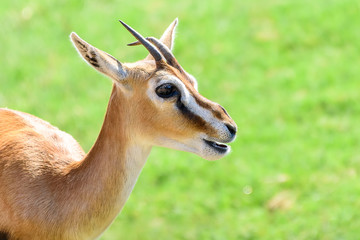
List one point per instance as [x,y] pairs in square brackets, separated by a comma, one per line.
[101,61]
[168,37]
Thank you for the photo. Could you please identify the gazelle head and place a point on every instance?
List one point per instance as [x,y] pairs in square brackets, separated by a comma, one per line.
[165,107]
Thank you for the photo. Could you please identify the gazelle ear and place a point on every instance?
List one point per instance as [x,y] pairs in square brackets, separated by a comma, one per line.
[101,61]
[168,37]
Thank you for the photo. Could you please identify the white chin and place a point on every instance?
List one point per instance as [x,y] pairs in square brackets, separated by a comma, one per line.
[212,154]
[206,149]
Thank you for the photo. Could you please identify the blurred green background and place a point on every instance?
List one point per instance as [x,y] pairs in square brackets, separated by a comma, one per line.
[286,71]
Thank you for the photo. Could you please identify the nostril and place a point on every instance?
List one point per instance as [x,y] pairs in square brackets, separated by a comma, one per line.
[231,129]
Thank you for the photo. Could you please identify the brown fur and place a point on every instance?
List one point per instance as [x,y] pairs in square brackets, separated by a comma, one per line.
[51,189]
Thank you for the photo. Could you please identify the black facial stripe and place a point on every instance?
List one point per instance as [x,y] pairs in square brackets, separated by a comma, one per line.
[190,115]
[4,235]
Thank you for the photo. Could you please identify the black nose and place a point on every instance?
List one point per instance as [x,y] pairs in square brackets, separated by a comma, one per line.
[231,129]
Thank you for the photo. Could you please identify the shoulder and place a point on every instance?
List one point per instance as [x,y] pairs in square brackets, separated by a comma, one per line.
[25,130]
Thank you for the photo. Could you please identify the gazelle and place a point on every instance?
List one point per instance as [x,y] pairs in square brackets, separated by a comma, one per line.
[51,189]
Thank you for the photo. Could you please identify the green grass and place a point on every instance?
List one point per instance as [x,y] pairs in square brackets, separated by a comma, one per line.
[287,72]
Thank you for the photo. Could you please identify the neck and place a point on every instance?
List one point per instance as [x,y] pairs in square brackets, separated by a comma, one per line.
[109,172]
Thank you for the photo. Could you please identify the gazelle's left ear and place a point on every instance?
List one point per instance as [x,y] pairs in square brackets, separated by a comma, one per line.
[101,61]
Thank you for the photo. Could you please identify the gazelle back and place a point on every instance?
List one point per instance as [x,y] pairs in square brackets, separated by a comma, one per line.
[51,189]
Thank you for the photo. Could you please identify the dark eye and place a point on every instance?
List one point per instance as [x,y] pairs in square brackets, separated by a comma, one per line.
[166,90]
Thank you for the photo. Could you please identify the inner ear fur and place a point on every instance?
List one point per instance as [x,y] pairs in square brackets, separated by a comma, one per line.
[100,60]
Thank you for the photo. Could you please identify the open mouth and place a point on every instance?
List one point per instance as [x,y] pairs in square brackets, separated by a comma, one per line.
[222,148]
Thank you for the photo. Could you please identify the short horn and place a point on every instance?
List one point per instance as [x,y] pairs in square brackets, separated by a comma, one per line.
[134,43]
[152,50]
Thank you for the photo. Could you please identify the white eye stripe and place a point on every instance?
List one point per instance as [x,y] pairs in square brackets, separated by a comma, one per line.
[206,115]
[188,100]
[185,94]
